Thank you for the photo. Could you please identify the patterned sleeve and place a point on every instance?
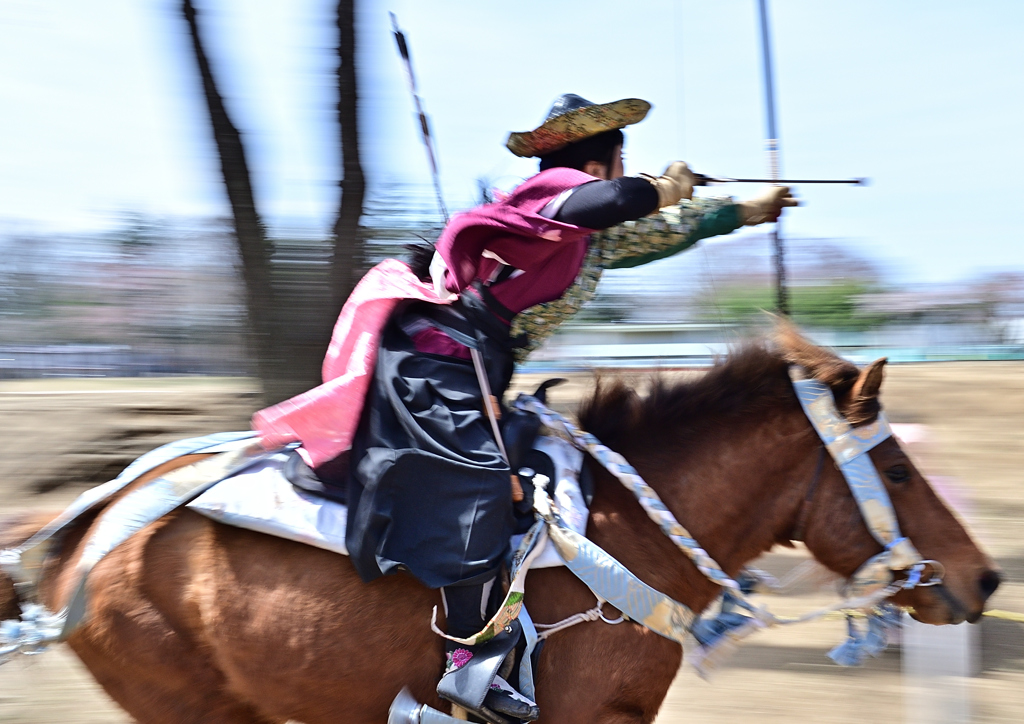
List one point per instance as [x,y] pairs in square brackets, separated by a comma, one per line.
[667,232]
[630,244]
[541,320]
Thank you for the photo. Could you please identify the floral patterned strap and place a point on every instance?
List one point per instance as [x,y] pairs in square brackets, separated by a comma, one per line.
[530,547]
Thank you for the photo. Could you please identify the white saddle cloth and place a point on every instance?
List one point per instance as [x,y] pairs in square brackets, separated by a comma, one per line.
[263,500]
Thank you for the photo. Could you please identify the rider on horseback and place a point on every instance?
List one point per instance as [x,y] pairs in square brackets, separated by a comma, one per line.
[429,487]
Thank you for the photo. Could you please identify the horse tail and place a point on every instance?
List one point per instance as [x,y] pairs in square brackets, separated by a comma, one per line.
[14,530]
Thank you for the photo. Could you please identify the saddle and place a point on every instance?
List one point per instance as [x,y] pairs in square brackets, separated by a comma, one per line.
[283,497]
[494,662]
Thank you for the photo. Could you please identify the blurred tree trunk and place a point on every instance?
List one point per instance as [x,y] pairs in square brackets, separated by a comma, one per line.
[291,310]
[254,248]
[347,266]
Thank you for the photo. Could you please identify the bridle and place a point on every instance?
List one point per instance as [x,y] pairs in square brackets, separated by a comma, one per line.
[849,447]
[898,567]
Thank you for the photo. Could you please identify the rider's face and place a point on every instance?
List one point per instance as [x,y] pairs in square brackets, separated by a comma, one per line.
[602,171]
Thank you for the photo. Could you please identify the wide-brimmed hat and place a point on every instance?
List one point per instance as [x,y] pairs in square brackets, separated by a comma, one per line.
[572,119]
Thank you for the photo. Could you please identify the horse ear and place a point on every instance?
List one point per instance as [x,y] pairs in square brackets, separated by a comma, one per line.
[870,381]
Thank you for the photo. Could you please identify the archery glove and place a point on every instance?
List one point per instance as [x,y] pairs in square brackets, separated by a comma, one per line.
[675,183]
[766,206]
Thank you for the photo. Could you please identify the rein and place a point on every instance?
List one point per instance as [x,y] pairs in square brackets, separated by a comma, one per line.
[805,508]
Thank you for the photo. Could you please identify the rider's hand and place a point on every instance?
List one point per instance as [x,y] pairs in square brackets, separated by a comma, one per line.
[675,183]
[766,206]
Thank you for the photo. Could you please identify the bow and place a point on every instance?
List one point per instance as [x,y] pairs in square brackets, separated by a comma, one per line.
[428,141]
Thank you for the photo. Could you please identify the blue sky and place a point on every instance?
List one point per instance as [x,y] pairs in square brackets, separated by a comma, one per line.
[100,114]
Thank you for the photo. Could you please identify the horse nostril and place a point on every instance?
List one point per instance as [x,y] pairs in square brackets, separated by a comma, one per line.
[988,583]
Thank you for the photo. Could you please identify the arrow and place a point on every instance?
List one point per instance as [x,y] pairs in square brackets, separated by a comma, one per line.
[702,180]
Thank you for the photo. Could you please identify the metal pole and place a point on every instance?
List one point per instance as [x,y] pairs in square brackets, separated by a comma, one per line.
[774,173]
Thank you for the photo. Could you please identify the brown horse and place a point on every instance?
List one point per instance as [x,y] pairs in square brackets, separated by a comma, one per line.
[193,621]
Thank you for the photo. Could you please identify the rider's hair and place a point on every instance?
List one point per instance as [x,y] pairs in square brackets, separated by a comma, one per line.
[600,148]
[419,254]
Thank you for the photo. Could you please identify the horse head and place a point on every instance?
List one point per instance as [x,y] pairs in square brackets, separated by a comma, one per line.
[835,531]
[737,461]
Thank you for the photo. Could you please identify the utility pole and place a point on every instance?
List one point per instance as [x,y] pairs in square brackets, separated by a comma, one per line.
[774,171]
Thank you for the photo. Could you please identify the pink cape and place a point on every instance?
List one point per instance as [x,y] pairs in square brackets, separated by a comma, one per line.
[324,419]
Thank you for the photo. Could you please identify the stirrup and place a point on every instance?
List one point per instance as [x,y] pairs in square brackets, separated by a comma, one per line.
[504,700]
[471,680]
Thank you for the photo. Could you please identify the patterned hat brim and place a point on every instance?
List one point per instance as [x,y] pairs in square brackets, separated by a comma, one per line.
[576,125]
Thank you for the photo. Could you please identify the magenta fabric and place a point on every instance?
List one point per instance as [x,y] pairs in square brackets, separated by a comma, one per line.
[434,341]
[548,252]
[324,419]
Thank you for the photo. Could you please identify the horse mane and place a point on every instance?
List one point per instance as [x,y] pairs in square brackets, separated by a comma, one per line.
[752,378]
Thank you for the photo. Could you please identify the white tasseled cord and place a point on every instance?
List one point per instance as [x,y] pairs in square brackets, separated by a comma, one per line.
[594,614]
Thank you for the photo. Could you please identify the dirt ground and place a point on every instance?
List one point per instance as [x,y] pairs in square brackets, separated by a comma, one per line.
[972,413]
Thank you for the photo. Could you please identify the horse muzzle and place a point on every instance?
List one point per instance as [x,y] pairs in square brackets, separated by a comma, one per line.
[939,605]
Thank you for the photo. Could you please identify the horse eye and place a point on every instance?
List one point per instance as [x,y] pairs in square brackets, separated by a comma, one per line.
[898,474]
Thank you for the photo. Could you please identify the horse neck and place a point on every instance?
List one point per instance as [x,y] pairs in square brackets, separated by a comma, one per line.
[738,491]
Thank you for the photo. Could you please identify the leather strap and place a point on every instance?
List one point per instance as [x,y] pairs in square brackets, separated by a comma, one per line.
[805,508]
[495,307]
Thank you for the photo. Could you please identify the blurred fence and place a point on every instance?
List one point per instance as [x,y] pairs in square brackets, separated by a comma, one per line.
[82,360]
[610,345]
[145,300]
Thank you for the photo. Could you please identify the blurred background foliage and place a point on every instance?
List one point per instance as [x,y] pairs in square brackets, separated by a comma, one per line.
[156,298]
[827,305]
